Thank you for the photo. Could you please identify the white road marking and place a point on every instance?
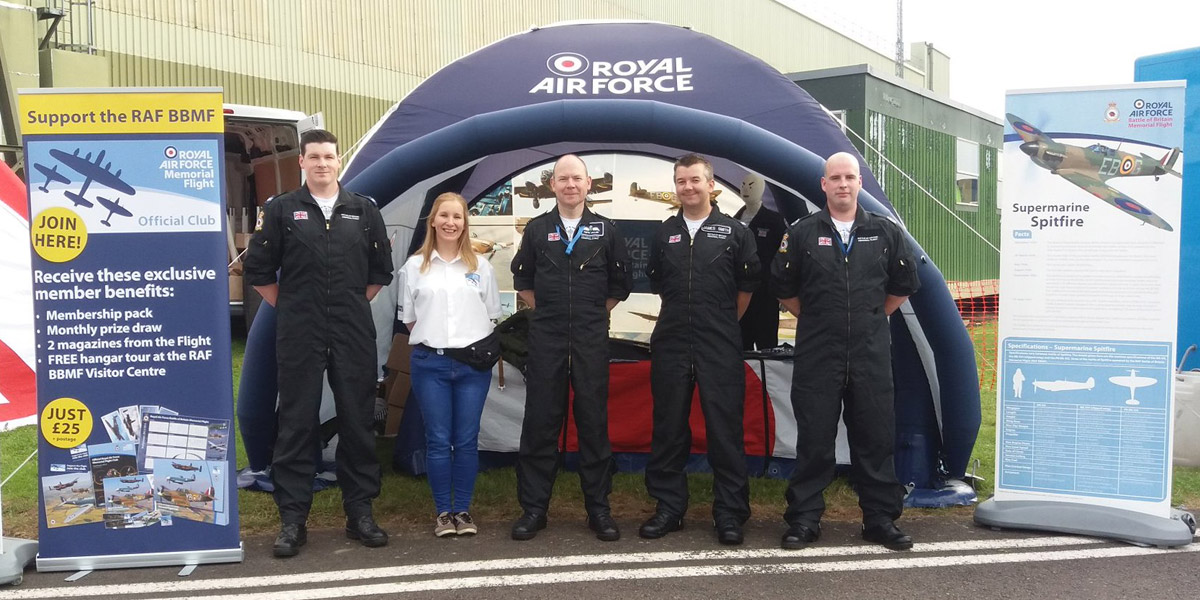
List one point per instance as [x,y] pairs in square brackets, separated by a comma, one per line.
[459,583]
[326,578]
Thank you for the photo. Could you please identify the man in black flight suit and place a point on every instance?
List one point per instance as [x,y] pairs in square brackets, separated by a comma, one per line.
[331,250]
[760,323]
[842,271]
[572,269]
[704,266]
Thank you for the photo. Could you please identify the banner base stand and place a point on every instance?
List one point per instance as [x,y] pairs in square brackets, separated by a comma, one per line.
[1089,519]
[16,556]
[152,559]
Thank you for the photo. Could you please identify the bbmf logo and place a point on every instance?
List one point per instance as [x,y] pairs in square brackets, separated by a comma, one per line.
[1112,115]
[574,74]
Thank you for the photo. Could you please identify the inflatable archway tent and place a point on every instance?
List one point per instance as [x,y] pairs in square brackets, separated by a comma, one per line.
[502,109]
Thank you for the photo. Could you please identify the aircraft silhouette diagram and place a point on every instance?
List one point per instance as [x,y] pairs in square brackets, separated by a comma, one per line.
[539,191]
[92,171]
[1091,167]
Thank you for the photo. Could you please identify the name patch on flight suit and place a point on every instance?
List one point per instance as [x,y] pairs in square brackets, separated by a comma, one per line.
[351,217]
[716,231]
[868,238]
[763,232]
[592,231]
[300,215]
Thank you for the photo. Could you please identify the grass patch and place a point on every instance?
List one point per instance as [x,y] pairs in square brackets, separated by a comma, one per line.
[406,500]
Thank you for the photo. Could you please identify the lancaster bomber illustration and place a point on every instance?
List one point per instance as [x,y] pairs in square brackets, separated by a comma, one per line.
[538,191]
[91,171]
[667,198]
[62,486]
[1090,167]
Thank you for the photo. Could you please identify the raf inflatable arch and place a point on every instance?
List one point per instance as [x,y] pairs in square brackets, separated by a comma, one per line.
[497,111]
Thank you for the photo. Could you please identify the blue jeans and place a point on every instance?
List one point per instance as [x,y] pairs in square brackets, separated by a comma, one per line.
[450,395]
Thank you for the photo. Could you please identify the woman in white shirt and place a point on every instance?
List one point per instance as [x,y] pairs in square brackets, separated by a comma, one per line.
[448,298]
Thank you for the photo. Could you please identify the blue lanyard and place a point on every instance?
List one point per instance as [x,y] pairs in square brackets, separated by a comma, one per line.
[846,246]
[570,244]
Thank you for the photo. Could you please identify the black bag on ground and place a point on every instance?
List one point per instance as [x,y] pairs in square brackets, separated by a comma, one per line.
[481,354]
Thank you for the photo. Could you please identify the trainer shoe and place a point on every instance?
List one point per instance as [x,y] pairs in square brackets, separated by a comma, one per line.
[444,525]
[464,525]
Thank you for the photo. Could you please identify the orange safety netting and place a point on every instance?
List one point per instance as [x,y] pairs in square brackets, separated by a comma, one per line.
[979,303]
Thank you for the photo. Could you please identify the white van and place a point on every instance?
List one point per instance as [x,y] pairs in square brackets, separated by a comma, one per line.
[262,146]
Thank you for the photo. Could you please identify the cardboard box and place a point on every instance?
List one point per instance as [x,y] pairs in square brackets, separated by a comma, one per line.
[235,287]
[398,359]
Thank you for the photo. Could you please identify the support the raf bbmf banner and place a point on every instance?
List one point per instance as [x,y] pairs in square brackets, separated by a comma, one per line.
[1089,277]
[131,301]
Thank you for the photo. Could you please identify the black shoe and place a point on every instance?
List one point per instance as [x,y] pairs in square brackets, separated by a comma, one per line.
[528,525]
[291,537]
[798,536]
[365,530]
[659,525]
[604,526]
[887,535]
[729,532]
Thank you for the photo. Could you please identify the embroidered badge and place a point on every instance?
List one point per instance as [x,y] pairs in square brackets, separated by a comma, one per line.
[552,236]
[473,279]
[674,239]
[764,232]
[258,221]
[824,241]
[351,217]
[783,244]
[300,215]
[592,231]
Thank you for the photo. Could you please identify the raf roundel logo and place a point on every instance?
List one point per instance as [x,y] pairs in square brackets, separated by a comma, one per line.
[170,152]
[1139,104]
[567,64]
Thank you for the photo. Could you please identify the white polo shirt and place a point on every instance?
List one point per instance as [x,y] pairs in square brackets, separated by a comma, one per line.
[452,308]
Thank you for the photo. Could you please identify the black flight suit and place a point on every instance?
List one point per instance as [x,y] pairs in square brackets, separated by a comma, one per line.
[324,323]
[697,340]
[843,357]
[760,324]
[568,344]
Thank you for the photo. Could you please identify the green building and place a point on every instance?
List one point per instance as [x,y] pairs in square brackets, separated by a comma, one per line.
[938,163]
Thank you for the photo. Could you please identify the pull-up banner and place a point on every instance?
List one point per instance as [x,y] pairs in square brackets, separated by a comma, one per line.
[1089,274]
[131,317]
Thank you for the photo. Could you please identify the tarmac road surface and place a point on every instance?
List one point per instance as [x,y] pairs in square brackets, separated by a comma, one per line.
[952,558]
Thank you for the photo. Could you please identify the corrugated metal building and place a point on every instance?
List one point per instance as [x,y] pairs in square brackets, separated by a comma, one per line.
[353,59]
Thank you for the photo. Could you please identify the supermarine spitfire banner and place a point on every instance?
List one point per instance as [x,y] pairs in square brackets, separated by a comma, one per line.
[131,314]
[1089,280]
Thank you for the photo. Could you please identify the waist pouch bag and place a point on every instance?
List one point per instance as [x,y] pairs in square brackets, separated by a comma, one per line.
[481,355]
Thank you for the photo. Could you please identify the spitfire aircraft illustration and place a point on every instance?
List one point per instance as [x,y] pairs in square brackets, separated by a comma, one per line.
[134,480]
[64,485]
[129,488]
[539,191]
[1090,167]
[52,176]
[91,171]
[114,207]
[667,198]
[1133,381]
[1062,385]
[179,479]
[186,467]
